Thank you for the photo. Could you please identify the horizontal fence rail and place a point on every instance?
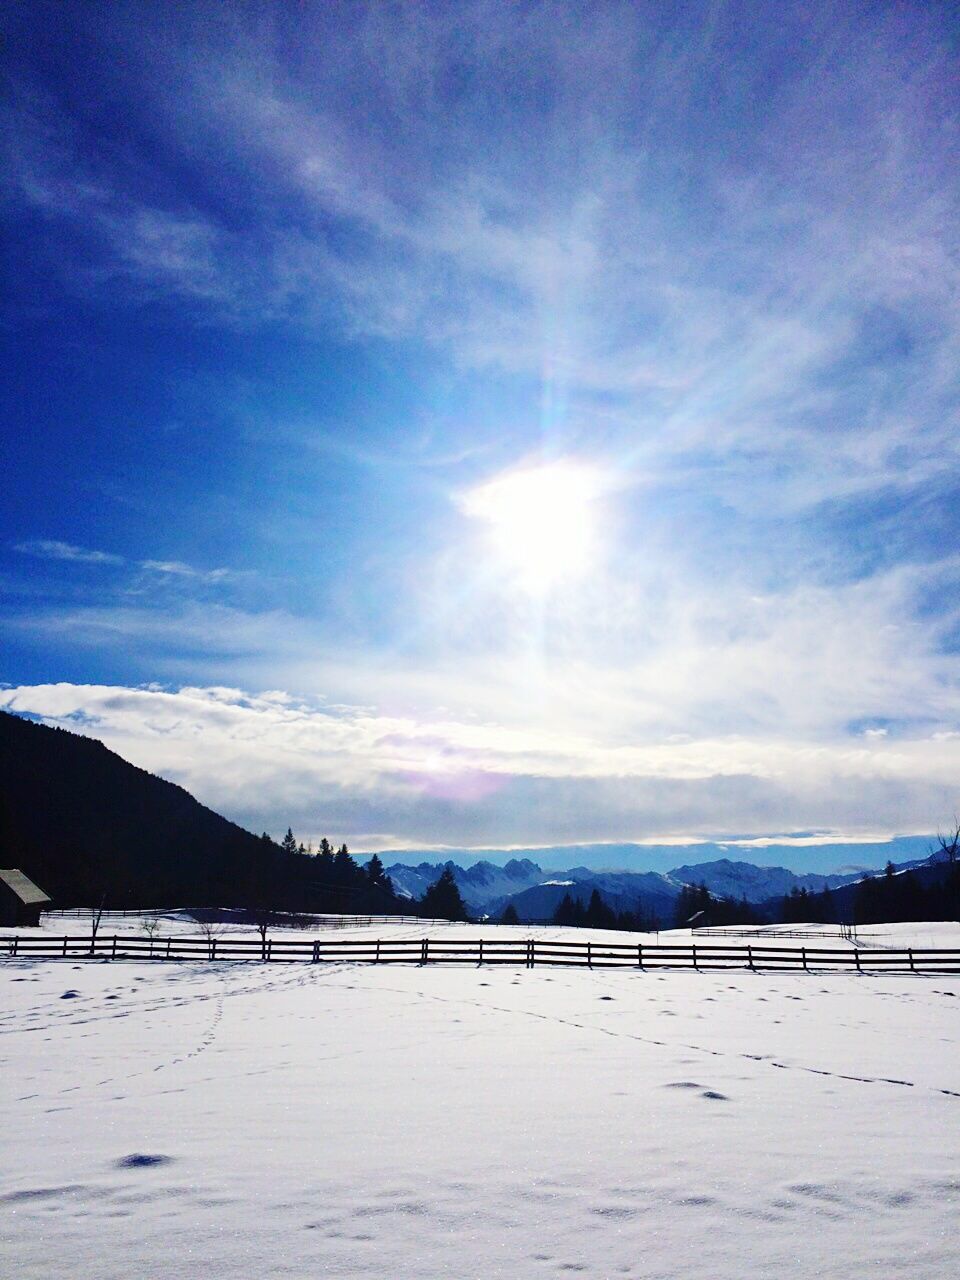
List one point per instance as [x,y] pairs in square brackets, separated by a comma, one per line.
[482,951]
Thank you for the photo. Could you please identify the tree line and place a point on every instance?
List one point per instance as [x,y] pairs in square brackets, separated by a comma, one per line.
[928,892]
[896,895]
[598,914]
[331,881]
[697,907]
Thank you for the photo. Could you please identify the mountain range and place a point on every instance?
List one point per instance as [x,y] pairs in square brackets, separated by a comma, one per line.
[488,889]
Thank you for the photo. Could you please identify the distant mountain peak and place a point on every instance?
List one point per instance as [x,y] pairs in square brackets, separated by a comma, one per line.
[516,868]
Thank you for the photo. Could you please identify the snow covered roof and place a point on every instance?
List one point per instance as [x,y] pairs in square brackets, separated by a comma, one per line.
[22,886]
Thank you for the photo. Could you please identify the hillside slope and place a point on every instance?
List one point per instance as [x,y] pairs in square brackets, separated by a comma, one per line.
[82,822]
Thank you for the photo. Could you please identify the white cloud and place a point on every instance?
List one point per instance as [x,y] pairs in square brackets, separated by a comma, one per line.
[177,569]
[270,760]
[52,549]
[185,630]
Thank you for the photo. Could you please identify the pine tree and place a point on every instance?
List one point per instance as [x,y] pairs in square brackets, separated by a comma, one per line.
[325,861]
[379,886]
[566,912]
[375,872]
[688,905]
[599,915]
[510,915]
[346,873]
[289,843]
[442,901]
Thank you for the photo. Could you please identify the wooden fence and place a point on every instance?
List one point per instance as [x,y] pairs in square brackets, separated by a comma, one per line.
[527,952]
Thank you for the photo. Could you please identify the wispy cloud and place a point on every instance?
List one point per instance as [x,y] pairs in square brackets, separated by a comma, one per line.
[177,635]
[51,549]
[154,249]
[177,569]
[639,659]
[804,272]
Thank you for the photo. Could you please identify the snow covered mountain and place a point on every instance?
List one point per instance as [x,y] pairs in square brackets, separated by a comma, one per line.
[622,890]
[479,884]
[726,879]
[488,888]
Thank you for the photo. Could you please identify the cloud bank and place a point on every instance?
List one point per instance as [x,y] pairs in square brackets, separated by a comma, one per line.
[270,760]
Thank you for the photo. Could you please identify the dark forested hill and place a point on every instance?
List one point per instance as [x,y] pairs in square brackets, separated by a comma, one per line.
[82,822]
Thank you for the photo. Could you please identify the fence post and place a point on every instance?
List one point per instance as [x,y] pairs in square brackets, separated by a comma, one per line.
[376,958]
[213,948]
[912,967]
[64,945]
[856,956]
[13,950]
[589,957]
[113,949]
[269,948]
[424,951]
[694,949]
[640,955]
[316,952]
[167,956]
[531,953]
[803,954]
[480,961]
[750,964]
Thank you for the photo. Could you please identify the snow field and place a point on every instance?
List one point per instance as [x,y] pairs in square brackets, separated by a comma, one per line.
[181,924]
[250,1120]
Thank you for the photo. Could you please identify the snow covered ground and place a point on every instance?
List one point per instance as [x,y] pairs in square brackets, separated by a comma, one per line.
[180,924]
[247,1120]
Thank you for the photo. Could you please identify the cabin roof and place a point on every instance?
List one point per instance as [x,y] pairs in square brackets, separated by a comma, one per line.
[28,893]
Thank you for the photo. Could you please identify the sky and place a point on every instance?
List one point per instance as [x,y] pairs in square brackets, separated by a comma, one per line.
[490,424]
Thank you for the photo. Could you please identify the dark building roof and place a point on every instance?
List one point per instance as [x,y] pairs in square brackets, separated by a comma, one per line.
[23,887]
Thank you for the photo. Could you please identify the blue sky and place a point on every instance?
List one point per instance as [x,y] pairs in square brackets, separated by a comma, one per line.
[490,424]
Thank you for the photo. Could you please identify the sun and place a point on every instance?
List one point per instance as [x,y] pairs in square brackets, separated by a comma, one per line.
[540,521]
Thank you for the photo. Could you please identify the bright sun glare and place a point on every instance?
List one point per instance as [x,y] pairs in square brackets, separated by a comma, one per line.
[540,521]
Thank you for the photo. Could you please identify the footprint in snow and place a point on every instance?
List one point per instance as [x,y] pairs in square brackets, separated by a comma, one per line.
[713,1094]
[141,1161]
[70,995]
